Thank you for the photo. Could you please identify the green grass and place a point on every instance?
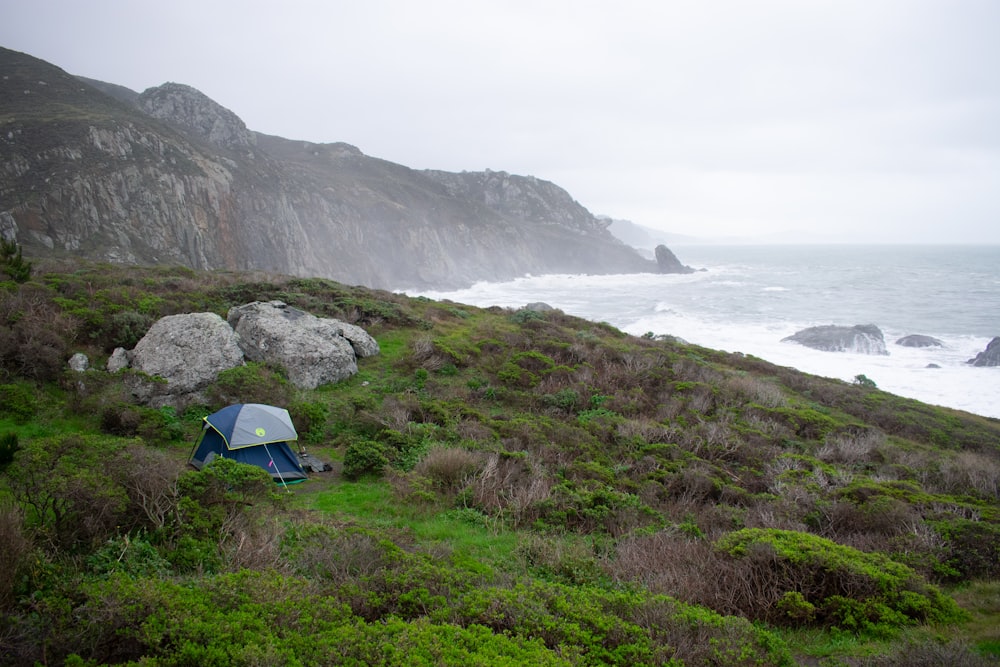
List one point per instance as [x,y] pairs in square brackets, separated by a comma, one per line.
[372,503]
[364,501]
[982,600]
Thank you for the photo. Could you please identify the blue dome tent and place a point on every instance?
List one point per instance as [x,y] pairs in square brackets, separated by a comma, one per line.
[251,433]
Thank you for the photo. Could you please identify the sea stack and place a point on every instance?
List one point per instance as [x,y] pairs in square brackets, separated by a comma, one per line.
[667,261]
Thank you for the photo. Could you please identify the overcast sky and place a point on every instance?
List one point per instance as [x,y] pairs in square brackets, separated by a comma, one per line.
[850,119]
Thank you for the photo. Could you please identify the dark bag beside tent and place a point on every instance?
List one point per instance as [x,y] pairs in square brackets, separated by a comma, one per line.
[251,433]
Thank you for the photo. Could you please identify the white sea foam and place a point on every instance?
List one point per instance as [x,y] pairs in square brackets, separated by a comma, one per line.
[750,305]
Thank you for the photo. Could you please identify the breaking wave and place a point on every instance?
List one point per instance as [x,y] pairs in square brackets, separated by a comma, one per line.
[751,297]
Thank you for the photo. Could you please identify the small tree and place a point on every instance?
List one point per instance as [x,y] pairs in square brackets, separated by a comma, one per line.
[12,263]
[65,486]
[863,380]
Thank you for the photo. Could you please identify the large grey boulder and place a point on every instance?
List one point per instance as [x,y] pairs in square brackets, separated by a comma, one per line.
[187,352]
[862,338]
[79,362]
[539,307]
[990,356]
[314,351]
[919,340]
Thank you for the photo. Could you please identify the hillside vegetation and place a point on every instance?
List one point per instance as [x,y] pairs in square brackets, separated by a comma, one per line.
[509,487]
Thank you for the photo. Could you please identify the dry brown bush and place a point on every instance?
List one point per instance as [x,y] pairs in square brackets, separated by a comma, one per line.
[743,389]
[669,407]
[884,517]
[37,345]
[768,426]
[395,413]
[449,467]
[556,382]
[640,362]
[556,555]
[254,543]
[689,370]
[973,472]
[149,477]
[749,586]
[702,399]
[421,349]
[666,562]
[775,472]
[694,485]
[647,430]
[782,514]
[120,419]
[471,430]
[852,448]
[509,487]
[338,554]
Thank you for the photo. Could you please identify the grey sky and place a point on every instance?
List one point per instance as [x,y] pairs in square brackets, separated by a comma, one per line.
[855,119]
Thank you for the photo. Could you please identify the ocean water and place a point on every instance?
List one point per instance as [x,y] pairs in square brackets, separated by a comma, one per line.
[748,298]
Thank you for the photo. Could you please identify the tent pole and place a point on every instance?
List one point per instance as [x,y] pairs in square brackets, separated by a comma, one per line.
[276,469]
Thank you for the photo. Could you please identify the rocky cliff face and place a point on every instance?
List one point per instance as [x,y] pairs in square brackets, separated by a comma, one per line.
[169,176]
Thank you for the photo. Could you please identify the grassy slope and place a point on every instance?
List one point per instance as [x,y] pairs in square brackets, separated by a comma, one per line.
[546,458]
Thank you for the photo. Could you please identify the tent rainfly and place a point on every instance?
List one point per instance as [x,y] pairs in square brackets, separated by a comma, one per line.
[251,433]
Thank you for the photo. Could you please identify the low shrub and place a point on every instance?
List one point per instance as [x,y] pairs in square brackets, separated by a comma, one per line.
[335,554]
[253,383]
[126,328]
[972,548]
[129,554]
[9,444]
[837,585]
[364,457]
[17,402]
[66,487]
[971,472]
[954,653]
[593,507]
[152,425]
[15,546]
[310,419]
[226,501]
[121,419]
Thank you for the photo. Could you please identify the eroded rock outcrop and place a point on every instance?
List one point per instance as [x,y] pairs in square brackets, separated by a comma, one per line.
[313,350]
[861,338]
[198,113]
[990,356]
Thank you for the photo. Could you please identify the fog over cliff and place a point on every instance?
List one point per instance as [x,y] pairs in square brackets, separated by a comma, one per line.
[92,169]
